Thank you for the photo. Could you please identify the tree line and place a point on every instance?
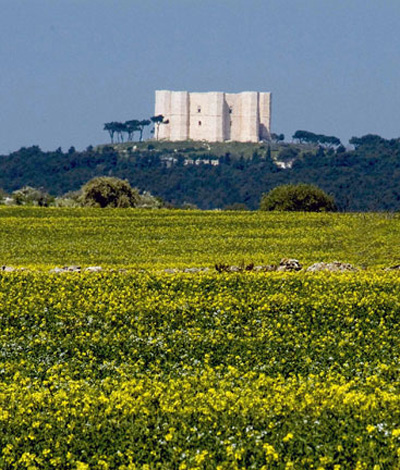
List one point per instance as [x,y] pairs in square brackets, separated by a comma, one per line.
[306,137]
[108,191]
[364,178]
[131,127]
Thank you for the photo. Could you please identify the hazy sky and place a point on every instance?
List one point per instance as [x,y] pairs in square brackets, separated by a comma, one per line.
[68,66]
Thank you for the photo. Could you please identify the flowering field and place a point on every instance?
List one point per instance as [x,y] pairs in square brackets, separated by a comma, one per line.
[43,238]
[208,371]
[147,370]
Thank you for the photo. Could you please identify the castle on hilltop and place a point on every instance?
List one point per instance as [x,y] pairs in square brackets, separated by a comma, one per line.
[214,116]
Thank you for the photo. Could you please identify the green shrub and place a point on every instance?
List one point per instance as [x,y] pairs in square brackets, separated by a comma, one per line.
[106,191]
[28,196]
[70,199]
[297,197]
[148,201]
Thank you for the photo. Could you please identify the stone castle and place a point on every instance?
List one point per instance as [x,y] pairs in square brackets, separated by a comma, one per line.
[214,116]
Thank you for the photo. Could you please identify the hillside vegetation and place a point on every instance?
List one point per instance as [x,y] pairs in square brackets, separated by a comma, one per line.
[220,175]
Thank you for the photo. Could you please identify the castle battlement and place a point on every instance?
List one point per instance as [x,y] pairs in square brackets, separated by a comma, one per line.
[214,116]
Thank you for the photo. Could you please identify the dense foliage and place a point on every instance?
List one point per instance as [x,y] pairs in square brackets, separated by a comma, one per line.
[107,191]
[310,137]
[46,237]
[31,196]
[364,179]
[192,372]
[128,127]
[297,197]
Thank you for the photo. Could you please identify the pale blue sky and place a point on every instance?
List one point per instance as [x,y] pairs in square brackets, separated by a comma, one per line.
[68,66]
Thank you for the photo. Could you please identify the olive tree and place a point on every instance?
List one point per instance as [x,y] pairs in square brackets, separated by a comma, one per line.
[297,197]
[28,196]
[107,191]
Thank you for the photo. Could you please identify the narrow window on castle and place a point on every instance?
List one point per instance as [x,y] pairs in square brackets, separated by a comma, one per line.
[199,123]
[230,109]
[199,109]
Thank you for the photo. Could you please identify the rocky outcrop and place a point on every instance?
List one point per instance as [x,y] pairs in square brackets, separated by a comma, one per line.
[76,269]
[57,270]
[285,265]
[8,269]
[195,270]
[265,268]
[185,270]
[334,266]
[93,269]
[226,268]
[393,268]
[288,264]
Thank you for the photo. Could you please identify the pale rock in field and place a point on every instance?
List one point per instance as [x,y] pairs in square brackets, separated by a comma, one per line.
[195,270]
[8,269]
[57,270]
[235,269]
[334,266]
[93,269]
[66,269]
[72,269]
[264,269]
[288,264]
[393,268]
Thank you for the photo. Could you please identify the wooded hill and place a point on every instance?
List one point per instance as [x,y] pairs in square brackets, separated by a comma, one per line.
[219,175]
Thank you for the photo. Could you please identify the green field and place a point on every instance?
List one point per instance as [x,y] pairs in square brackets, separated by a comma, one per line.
[42,238]
[146,370]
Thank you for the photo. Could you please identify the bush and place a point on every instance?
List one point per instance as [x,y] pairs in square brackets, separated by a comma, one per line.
[106,191]
[300,197]
[288,154]
[3,196]
[28,196]
[148,201]
[70,199]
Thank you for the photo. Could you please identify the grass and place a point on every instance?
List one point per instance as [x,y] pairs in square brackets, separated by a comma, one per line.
[200,148]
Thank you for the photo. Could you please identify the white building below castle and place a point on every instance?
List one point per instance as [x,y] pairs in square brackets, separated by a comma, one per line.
[214,116]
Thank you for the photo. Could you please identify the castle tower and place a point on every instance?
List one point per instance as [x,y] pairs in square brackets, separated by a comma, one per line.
[179,116]
[206,120]
[163,106]
[264,111]
[250,120]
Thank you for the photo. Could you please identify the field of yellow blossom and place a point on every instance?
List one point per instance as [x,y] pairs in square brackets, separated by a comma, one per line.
[131,238]
[147,370]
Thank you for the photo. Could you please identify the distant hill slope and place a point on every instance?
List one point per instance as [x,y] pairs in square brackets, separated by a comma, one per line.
[218,175]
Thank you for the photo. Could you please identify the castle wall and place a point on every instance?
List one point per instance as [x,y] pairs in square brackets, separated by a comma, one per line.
[214,116]
[234,120]
[250,121]
[163,106]
[179,117]
[206,116]
[264,112]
